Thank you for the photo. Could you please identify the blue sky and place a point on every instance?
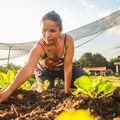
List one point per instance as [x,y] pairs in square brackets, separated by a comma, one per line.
[20,19]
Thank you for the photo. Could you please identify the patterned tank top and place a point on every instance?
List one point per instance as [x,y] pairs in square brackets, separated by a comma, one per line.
[52,63]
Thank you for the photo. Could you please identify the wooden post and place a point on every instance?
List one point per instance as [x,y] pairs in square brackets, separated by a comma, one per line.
[117,71]
[9,55]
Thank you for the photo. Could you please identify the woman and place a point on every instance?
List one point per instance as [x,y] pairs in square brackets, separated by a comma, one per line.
[53,54]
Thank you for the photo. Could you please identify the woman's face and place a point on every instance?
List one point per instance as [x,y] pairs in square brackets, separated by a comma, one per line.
[51,31]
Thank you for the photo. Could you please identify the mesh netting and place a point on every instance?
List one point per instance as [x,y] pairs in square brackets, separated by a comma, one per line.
[89,36]
[14,50]
[97,26]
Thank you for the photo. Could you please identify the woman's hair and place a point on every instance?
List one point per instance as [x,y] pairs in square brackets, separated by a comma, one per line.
[54,17]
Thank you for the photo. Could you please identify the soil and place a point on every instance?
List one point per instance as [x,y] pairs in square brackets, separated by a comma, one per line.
[31,105]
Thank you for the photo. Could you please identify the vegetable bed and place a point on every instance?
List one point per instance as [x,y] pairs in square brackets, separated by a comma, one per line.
[31,105]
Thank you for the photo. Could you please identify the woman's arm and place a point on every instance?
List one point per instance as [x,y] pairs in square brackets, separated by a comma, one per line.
[23,74]
[68,62]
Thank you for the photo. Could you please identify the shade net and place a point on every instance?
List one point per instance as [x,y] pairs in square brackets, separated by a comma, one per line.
[13,50]
[88,38]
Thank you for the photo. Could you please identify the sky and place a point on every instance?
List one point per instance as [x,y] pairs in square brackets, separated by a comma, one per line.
[20,19]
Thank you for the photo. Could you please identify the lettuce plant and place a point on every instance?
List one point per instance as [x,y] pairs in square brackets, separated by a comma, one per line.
[6,78]
[95,88]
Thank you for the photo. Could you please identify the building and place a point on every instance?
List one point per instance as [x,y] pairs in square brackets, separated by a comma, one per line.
[117,66]
[97,70]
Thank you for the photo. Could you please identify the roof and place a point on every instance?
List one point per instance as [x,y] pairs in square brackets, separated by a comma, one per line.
[116,63]
[96,68]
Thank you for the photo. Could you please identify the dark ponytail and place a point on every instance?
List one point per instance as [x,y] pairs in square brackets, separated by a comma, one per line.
[52,15]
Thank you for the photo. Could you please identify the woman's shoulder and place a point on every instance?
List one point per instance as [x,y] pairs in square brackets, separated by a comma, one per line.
[38,48]
[40,41]
[68,37]
[39,44]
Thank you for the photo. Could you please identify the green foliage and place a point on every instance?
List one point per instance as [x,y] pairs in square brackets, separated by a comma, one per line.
[92,60]
[32,79]
[86,59]
[46,84]
[95,88]
[87,71]
[6,78]
[99,60]
[39,86]
[11,66]
[7,74]
[26,86]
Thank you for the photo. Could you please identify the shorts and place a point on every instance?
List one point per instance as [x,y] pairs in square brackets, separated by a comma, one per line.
[52,75]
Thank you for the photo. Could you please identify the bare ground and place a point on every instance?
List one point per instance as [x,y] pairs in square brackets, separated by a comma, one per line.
[30,105]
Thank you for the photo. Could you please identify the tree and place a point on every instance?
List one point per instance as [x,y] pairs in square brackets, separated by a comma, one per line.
[90,60]
[99,60]
[86,59]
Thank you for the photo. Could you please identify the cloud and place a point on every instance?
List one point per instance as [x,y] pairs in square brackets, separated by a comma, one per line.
[93,10]
[115,31]
[84,3]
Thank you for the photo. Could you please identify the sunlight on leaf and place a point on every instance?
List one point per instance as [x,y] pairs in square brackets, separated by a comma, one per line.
[83,82]
[75,115]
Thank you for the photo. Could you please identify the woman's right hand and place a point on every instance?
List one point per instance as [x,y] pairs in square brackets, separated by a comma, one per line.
[3,96]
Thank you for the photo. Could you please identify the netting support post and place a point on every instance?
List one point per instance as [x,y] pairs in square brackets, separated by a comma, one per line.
[9,56]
